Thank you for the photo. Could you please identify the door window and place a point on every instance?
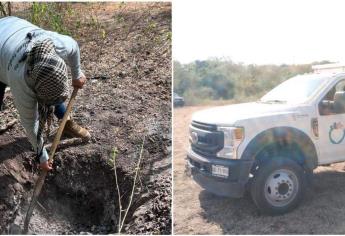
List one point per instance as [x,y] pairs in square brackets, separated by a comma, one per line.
[334,101]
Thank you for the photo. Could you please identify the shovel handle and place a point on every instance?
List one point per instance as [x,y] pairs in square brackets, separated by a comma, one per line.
[62,124]
[42,177]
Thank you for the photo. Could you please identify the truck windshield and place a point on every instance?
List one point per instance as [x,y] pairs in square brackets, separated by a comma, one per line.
[295,90]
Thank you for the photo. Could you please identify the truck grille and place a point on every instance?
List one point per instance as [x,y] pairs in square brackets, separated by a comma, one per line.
[210,141]
[204,126]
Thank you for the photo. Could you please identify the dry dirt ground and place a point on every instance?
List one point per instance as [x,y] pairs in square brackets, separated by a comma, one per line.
[126,50]
[198,212]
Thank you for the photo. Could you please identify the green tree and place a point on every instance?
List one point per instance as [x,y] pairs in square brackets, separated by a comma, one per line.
[222,79]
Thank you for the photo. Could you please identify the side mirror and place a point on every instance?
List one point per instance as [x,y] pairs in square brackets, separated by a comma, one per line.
[327,104]
[326,107]
[339,102]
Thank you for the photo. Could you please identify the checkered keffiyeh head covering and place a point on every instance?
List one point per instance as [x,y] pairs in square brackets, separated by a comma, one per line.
[49,72]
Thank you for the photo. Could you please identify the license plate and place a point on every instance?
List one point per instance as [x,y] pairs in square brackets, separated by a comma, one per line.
[220,171]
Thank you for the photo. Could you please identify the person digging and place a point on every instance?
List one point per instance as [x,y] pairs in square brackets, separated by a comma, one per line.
[33,63]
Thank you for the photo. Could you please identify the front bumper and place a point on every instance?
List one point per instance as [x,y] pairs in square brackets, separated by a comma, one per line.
[200,168]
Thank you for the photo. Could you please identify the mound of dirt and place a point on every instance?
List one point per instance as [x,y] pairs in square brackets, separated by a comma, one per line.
[127,101]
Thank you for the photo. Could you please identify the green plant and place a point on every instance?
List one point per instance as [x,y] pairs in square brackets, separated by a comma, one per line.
[169,36]
[103,34]
[5,8]
[50,15]
[221,79]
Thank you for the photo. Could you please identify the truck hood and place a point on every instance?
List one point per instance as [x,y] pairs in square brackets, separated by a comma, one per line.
[230,114]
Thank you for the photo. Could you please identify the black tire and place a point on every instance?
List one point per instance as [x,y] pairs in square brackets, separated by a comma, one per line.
[290,178]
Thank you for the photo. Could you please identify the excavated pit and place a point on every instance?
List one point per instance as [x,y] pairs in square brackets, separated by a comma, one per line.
[77,198]
[80,194]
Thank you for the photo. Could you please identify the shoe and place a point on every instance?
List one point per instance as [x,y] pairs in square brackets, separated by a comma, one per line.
[74,130]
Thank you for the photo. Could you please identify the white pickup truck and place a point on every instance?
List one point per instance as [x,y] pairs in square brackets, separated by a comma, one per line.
[271,146]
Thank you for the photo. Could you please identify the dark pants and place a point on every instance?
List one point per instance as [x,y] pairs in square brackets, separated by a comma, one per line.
[2,93]
[59,110]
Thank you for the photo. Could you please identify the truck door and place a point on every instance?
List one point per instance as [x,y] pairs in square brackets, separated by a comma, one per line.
[331,123]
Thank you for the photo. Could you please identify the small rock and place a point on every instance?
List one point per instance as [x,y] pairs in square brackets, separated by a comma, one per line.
[122,74]
[18,187]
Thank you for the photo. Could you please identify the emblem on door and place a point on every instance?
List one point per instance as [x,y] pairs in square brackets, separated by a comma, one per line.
[336,133]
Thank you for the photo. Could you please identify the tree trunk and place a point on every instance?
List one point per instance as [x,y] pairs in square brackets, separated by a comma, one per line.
[2,9]
[9,9]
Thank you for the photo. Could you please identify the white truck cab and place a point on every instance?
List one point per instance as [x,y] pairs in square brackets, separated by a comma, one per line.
[270,146]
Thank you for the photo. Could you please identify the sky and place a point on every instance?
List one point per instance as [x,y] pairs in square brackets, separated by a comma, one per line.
[259,32]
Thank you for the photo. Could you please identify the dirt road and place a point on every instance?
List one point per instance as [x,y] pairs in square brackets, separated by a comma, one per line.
[199,212]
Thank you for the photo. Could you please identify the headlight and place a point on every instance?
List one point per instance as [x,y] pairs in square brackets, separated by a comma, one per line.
[233,137]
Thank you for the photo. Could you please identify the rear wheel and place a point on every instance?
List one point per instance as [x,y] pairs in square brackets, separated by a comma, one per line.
[278,186]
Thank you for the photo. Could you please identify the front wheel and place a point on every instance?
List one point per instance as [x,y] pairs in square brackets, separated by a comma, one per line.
[278,186]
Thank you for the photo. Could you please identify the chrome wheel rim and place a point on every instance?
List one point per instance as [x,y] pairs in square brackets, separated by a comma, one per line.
[281,187]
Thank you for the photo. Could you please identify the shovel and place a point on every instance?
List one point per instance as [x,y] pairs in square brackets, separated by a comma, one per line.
[42,177]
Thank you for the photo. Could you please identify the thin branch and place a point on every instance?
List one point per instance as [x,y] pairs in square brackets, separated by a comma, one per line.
[67,143]
[134,184]
[118,189]
[41,206]
[130,28]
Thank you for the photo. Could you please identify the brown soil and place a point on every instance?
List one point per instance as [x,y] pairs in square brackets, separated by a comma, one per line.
[199,212]
[128,55]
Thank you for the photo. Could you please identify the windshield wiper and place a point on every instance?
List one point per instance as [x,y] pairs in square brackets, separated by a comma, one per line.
[273,101]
